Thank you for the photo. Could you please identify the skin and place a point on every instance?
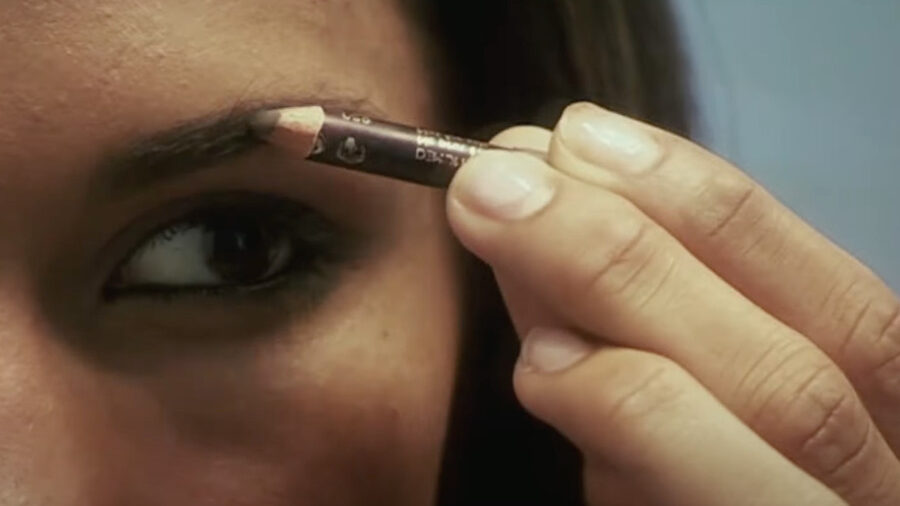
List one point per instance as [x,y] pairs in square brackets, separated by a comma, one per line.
[269,397]
[704,348]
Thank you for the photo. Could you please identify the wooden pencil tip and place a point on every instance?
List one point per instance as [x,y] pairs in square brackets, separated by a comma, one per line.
[295,128]
[263,123]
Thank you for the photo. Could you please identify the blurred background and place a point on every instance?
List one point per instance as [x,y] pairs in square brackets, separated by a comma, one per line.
[803,95]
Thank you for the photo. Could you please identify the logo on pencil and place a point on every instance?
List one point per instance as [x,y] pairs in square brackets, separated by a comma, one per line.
[351,152]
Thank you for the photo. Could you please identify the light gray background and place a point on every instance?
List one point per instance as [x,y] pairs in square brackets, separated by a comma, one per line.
[805,96]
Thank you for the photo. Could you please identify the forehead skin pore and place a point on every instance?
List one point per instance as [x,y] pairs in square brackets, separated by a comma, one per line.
[354,417]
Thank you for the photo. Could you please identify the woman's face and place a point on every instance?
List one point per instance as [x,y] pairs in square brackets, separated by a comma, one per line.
[189,319]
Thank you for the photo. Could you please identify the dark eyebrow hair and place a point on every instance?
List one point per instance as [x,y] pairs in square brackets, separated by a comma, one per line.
[195,144]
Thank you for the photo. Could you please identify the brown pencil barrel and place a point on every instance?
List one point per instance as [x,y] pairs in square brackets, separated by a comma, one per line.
[413,154]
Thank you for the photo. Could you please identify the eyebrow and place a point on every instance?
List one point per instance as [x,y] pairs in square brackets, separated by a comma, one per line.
[196,144]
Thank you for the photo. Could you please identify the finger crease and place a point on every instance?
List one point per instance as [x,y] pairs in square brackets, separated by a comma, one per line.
[894,320]
[619,404]
[780,385]
[851,457]
[618,257]
[854,328]
[751,190]
[663,281]
[749,373]
[827,419]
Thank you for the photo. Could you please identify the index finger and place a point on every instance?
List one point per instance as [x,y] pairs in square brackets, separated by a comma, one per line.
[752,241]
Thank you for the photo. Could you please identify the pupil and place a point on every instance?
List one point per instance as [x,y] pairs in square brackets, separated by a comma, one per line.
[239,249]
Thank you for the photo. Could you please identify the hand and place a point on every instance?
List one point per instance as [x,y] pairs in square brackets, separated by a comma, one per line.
[699,343]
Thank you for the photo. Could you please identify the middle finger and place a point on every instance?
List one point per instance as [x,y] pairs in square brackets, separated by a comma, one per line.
[749,239]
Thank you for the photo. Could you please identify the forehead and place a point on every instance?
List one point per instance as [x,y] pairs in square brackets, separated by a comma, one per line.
[158,60]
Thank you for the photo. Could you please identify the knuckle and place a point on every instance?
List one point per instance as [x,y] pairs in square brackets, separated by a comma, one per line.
[729,206]
[822,422]
[886,372]
[866,331]
[654,388]
[860,316]
[837,439]
[767,367]
[848,307]
[631,263]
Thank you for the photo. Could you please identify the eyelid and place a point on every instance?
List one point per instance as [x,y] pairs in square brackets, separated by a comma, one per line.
[362,202]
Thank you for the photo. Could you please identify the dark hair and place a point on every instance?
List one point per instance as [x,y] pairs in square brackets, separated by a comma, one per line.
[503,62]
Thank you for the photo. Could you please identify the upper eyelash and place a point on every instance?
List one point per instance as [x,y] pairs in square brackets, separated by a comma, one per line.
[167,233]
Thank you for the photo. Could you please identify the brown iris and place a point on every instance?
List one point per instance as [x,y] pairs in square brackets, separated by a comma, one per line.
[240,249]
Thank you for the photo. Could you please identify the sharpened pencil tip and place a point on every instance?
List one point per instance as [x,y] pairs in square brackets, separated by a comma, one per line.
[264,122]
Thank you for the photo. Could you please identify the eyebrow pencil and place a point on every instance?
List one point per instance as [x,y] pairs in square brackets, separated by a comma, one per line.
[357,142]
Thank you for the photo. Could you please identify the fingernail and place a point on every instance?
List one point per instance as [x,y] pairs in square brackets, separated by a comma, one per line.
[549,350]
[603,138]
[504,186]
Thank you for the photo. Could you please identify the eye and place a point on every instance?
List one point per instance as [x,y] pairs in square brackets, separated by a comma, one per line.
[215,251]
[220,249]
